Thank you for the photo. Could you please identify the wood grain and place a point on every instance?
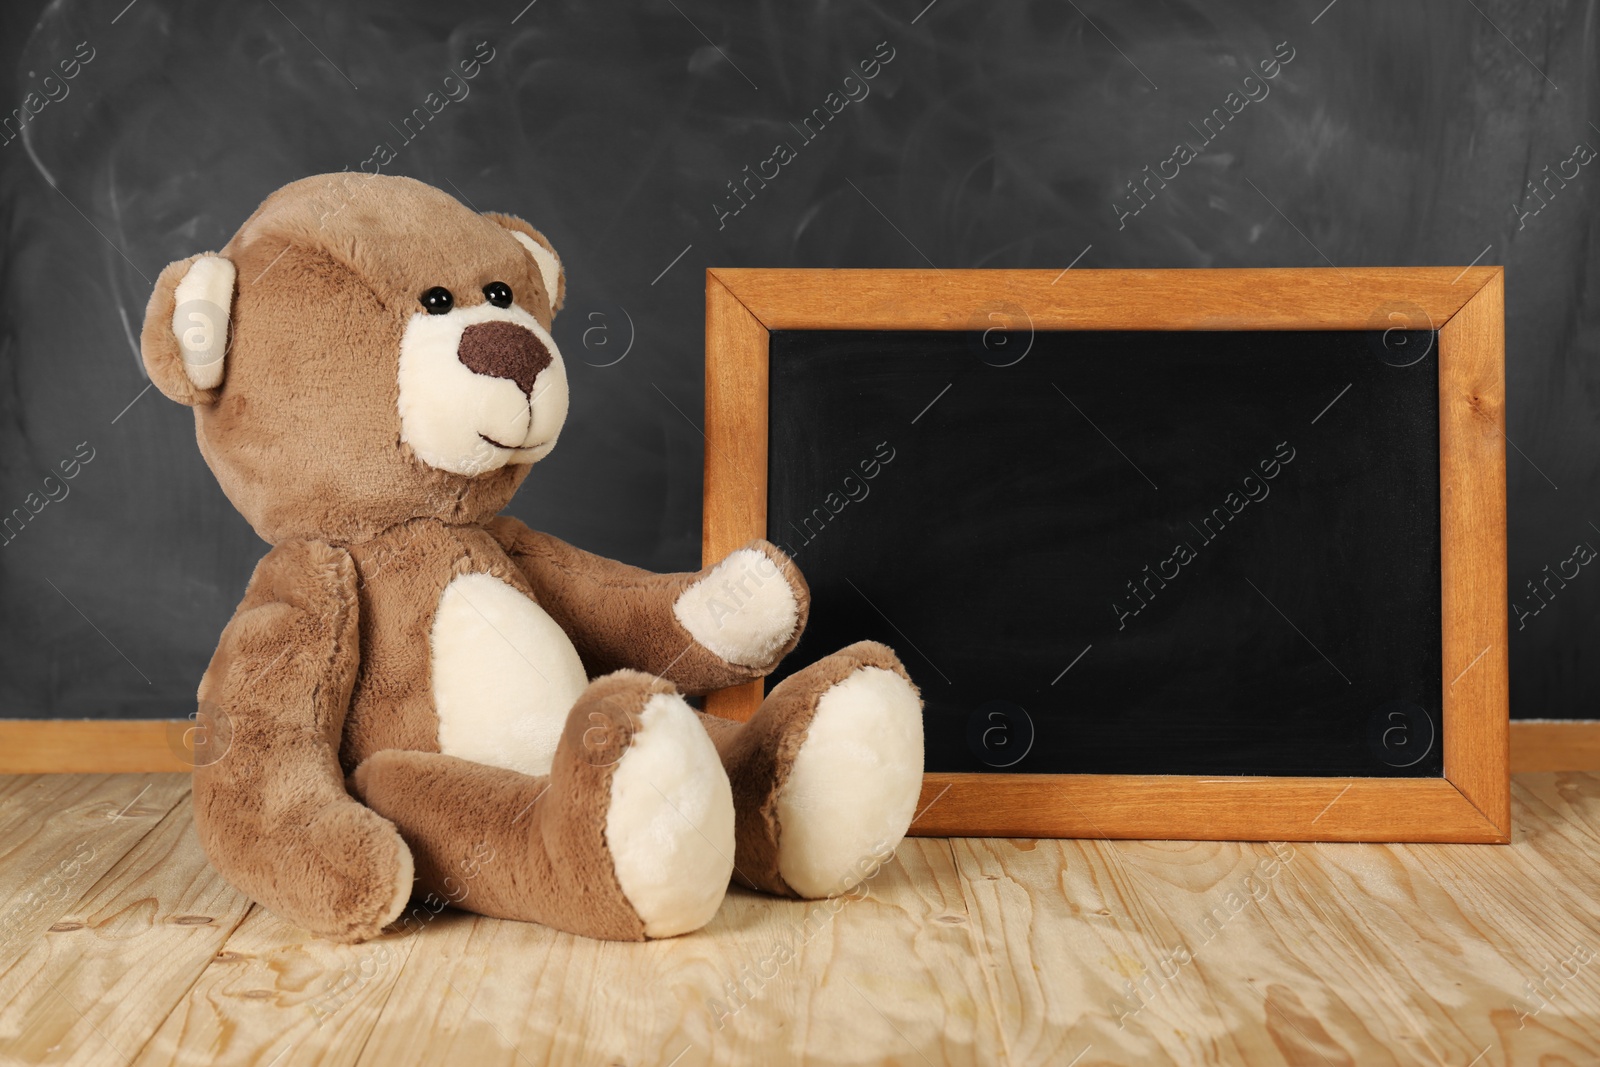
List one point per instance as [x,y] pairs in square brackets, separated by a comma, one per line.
[79,827]
[1536,745]
[275,996]
[1229,953]
[969,951]
[97,984]
[886,977]
[23,796]
[736,450]
[1548,745]
[1558,817]
[93,746]
[1355,298]
[1472,500]
[1197,808]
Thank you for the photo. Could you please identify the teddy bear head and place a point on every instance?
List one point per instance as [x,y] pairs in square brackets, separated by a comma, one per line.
[366,350]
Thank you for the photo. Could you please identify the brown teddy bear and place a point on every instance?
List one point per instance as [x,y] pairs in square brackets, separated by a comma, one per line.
[416,691]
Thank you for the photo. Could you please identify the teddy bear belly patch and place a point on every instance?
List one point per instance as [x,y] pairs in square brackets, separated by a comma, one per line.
[504,675]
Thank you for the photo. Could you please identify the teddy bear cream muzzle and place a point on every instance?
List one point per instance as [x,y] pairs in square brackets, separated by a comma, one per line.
[480,388]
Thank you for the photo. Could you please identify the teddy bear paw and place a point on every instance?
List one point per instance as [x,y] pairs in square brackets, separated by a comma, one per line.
[669,825]
[852,791]
[747,608]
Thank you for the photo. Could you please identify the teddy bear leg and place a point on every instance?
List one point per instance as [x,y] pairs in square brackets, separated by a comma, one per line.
[629,837]
[826,774]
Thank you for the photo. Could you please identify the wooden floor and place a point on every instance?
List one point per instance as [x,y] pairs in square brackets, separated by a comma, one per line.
[119,945]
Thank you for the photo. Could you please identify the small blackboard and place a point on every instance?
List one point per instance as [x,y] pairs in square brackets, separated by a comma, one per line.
[1126,552]
[1118,550]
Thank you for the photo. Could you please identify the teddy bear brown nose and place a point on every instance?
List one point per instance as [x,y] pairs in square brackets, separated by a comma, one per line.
[504,350]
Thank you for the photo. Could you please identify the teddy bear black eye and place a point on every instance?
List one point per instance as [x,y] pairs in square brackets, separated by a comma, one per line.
[437,300]
[499,294]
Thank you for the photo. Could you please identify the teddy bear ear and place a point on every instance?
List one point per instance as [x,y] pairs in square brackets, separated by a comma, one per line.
[185,337]
[543,253]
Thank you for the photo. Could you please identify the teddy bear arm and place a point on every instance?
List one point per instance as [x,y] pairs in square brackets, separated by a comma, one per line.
[720,626]
[271,808]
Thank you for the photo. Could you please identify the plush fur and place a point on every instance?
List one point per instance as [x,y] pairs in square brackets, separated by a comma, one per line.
[418,696]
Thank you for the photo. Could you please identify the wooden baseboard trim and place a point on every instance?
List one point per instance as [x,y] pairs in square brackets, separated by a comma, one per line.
[1555,745]
[93,746]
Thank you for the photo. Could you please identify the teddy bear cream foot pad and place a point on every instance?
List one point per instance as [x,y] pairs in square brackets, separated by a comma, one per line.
[420,697]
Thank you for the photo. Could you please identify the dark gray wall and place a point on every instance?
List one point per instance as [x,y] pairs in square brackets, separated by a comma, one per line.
[997,136]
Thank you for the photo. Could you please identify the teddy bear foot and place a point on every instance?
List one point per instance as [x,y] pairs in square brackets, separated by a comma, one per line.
[629,837]
[670,823]
[826,774]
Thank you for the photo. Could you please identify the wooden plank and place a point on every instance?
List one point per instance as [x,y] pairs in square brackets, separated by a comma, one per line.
[969,951]
[1199,952]
[1091,968]
[1197,808]
[1558,817]
[98,983]
[736,451]
[49,860]
[1472,499]
[24,796]
[276,995]
[1353,298]
[93,746]
[888,978]
[1458,935]
[1536,745]
[1551,745]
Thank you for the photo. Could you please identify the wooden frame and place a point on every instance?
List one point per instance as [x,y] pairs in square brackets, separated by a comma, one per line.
[1470,803]
[114,746]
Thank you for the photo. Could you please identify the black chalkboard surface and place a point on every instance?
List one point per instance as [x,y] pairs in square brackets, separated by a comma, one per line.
[1146,552]
[999,136]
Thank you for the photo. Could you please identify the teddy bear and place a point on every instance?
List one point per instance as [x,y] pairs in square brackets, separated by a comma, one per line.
[418,695]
